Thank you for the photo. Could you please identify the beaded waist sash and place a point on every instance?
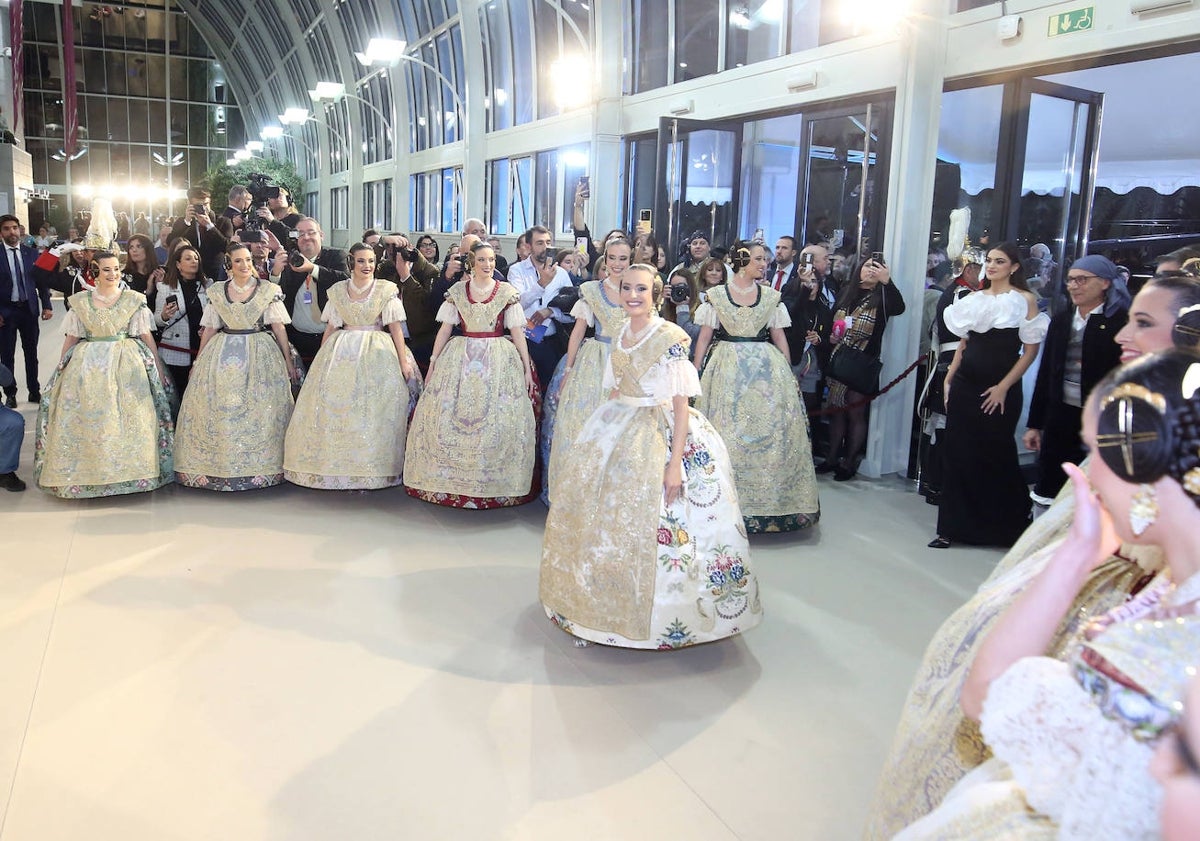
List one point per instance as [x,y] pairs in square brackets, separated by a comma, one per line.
[230,331]
[114,338]
[362,328]
[640,402]
[487,334]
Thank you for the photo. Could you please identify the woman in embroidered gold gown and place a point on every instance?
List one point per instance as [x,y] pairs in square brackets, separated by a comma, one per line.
[749,394]
[577,387]
[348,429]
[645,545]
[1072,739]
[474,435]
[104,424]
[231,425]
[935,745]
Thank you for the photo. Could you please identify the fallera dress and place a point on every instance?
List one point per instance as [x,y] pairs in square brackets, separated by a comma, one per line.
[348,429]
[235,412]
[1072,739]
[619,566]
[935,745]
[474,434]
[750,395]
[976,444]
[104,426]
[567,408]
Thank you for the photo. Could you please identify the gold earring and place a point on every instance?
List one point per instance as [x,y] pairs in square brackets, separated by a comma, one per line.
[1143,509]
[1191,481]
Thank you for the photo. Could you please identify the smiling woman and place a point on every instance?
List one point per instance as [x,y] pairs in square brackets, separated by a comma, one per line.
[645,545]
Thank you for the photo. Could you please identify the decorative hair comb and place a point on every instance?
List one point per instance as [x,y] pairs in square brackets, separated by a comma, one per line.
[1125,437]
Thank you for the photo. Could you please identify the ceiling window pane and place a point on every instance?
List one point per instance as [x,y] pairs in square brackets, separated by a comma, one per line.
[649,48]
[753,32]
[499,68]
[696,39]
[522,56]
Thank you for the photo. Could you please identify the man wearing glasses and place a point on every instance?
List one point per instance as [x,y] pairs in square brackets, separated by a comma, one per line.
[1080,349]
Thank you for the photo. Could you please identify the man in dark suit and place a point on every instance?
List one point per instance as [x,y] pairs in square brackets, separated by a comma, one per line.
[783,268]
[1080,348]
[22,301]
[199,227]
[306,284]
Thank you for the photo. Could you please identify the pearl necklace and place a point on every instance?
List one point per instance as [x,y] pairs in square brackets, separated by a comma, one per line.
[485,291]
[741,288]
[362,290]
[105,299]
[635,337]
[242,290]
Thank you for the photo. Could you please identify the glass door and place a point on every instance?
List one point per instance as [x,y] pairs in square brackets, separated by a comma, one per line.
[1055,132]
[841,201]
[698,177]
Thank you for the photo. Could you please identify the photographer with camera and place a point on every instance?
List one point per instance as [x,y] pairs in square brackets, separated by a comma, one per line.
[198,227]
[263,248]
[397,260]
[680,301]
[275,210]
[539,279]
[239,203]
[305,275]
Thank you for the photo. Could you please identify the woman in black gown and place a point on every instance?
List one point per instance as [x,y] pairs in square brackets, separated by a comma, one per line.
[984,498]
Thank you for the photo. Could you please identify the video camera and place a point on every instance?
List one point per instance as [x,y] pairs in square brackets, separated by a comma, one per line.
[262,190]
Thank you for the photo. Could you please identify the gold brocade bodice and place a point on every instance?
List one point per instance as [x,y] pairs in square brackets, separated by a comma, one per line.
[741,320]
[483,316]
[243,315]
[609,316]
[366,312]
[110,321]
[631,364]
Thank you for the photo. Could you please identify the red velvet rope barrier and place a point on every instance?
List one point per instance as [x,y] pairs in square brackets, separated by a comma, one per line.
[834,410]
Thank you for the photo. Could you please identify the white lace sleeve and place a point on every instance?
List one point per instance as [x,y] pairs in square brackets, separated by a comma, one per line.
[330,316]
[393,311]
[610,379]
[141,322]
[706,316]
[74,327]
[780,319]
[448,314]
[276,312]
[514,316]
[671,378]
[210,319]
[1032,331]
[1073,765]
[583,309]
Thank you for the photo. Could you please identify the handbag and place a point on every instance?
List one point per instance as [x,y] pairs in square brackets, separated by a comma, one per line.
[857,369]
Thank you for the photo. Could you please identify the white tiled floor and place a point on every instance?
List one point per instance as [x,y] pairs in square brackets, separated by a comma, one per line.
[291,664]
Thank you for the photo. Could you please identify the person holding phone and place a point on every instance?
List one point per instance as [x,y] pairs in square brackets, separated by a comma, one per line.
[178,302]
[863,310]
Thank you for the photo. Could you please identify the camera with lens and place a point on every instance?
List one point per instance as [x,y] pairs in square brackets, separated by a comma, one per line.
[296,259]
[680,293]
[262,190]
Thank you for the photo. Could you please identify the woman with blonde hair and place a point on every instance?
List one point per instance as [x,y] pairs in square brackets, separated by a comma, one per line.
[473,439]
[645,545]
[577,387]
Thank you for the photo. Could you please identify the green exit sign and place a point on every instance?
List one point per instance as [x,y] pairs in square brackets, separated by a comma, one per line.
[1079,20]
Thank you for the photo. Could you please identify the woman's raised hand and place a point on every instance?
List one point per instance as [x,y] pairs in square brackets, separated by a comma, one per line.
[1092,528]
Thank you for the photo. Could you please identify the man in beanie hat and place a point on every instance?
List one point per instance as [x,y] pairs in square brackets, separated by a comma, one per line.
[1080,348]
